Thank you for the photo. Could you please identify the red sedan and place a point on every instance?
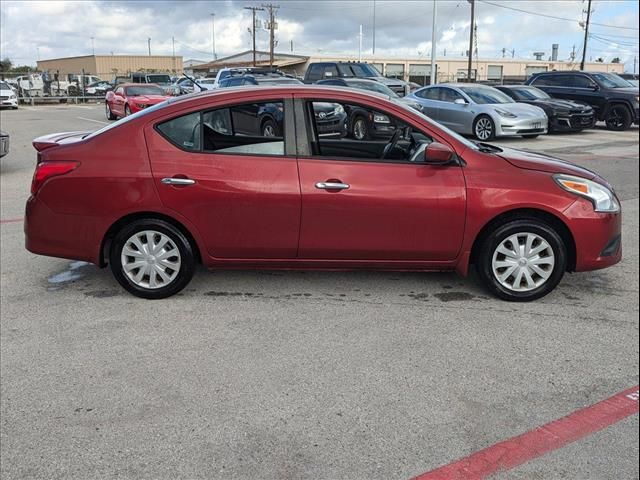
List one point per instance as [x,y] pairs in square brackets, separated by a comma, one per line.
[130,98]
[197,180]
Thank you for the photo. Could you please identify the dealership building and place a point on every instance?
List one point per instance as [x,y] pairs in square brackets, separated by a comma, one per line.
[414,69]
[108,66]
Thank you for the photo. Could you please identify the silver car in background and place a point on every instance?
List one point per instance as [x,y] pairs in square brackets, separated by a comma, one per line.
[480,110]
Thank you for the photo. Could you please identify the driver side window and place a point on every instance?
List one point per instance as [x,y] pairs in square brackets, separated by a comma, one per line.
[355,132]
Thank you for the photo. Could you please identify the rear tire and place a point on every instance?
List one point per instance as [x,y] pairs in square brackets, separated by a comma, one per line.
[521,260]
[152,259]
[484,129]
[618,118]
[269,129]
[359,130]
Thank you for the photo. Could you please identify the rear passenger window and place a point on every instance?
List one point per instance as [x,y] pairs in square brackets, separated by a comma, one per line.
[183,131]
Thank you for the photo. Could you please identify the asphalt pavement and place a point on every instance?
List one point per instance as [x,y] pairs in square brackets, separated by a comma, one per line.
[304,375]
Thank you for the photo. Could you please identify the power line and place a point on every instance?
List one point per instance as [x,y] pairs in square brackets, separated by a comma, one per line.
[573,20]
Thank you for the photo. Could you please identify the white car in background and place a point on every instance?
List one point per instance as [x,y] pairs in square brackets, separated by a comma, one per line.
[8,97]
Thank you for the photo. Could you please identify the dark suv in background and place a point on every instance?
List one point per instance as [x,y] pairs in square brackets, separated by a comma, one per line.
[614,100]
[327,70]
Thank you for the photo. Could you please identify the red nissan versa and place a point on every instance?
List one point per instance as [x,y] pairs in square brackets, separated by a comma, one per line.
[198,179]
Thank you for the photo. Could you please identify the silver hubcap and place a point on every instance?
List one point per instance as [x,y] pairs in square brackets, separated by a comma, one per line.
[484,129]
[359,130]
[150,259]
[268,131]
[523,262]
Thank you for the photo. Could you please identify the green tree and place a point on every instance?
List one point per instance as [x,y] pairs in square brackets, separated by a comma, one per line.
[5,65]
[616,60]
[600,60]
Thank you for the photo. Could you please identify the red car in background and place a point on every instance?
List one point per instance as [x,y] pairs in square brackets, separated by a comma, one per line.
[130,98]
[200,180]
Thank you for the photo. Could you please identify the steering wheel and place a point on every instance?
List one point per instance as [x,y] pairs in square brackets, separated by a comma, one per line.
[388,148]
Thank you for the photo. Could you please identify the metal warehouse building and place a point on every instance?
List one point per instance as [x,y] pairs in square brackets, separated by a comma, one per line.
[107,66]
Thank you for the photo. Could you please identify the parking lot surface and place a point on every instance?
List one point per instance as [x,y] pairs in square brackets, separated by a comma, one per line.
[305,375]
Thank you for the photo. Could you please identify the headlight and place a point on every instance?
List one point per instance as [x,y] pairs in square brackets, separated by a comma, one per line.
[602,198]
[12,97]
[505,114]
[338,110]
[141,105]
[378,118]
[637,98]
[562,112]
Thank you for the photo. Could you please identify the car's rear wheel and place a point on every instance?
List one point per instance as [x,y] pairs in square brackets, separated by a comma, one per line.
[521,260]
[483,128]
[359,129]
[108,112]
[618,118]
[152,259]
[127,111]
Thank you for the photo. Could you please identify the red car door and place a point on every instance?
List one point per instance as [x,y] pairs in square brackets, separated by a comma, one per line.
[367,208]
[240,191]
[117,102]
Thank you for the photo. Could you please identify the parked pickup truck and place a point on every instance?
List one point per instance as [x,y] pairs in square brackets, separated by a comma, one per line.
[326,70]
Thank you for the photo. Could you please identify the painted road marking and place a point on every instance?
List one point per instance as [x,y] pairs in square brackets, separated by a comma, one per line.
[535,443]
[92,120]
[12,220]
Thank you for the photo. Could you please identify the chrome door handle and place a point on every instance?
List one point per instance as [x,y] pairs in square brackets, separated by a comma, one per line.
[332,186]
[177,181]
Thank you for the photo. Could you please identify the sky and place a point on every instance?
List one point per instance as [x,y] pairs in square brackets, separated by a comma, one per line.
[51,29]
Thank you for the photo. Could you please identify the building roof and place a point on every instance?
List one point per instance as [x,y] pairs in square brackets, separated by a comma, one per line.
[245,58]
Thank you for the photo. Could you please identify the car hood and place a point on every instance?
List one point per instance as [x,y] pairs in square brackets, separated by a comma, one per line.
[519,109]
[4,92]
[149,98]
[626,90]
[544,163]
[559,104]
[389,81]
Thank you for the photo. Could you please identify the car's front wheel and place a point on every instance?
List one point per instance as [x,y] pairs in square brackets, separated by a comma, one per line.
[521,260]
[484,129]
[359,130]
[108,112]
[127,111]
[152,259]
[618,118]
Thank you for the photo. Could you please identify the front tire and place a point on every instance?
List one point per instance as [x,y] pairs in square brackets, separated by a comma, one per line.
[269,129]
[152,259]
[484,129]
[618,118]
[108,112]
[127,111]
[521,260]
[359,130]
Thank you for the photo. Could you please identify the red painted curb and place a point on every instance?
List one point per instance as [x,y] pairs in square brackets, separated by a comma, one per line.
[12,220]
[535,443]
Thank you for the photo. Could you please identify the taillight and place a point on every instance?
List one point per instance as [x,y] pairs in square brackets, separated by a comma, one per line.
[46,170]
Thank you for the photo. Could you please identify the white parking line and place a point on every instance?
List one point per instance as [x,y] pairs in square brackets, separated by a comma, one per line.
[92,120]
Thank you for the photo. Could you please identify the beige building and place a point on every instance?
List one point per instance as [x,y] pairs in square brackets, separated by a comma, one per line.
[108,66]
[414,69]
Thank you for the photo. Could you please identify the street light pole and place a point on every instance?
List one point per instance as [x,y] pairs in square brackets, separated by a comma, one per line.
[434,73]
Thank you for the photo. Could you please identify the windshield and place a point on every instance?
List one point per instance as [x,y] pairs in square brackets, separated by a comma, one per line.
[486,95]
[458,137]
[530,93]
[159,79]
[610,80]
[357,70]
[373,86]
[145,90]
[4,86]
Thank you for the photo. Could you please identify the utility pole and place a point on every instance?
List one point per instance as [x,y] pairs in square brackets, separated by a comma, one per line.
[93,47]
[373,51]
[149,45]
[253,28]
[433,76]
[471,32]
[213,36]
[635,60]
[360,45]
[272,29]
[586,34]
[513,53]
[504,51]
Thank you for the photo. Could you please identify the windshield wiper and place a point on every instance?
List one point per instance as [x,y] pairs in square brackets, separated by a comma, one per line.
[487,147]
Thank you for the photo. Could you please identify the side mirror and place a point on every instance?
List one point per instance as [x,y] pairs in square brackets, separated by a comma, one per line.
[438,154]
[595,87]
[460,101]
